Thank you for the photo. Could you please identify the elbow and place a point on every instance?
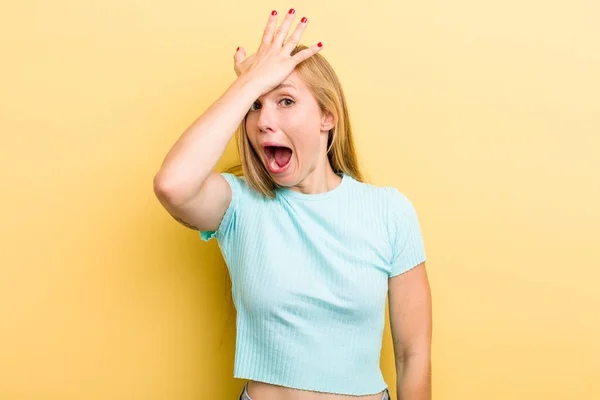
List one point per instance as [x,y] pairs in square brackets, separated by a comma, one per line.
[160,185]
[173,192]
[416,357]
[165,189]
[419,350]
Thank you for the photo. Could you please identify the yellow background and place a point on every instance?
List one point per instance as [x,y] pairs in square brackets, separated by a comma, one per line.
[486,114]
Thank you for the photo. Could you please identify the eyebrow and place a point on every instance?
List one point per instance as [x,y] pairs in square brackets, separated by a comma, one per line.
[281,86]
[284,85]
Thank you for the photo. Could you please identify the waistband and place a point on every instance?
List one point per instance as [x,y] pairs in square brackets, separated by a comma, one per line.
[245,396]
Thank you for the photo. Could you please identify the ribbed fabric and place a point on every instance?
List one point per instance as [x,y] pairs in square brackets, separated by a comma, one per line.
[309,277]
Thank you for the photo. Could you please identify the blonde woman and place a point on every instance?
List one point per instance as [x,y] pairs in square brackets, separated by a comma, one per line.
[312,250]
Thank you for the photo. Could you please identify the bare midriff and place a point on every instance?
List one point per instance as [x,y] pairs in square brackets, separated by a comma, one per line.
[267,391]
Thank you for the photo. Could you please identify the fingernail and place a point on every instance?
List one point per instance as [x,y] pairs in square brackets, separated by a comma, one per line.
[303,19]
[320,44]
[238,49]
[292,11]
[274,12]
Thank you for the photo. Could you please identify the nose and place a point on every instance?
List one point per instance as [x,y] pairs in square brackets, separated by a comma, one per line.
[265,119]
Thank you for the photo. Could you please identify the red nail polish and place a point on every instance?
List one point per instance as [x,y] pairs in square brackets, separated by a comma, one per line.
[238,49]
[303,19]
[320,44]
[274,12]
[292,11]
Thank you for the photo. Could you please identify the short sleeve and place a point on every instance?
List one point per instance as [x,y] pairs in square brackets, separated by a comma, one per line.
[408,249]
[229,216]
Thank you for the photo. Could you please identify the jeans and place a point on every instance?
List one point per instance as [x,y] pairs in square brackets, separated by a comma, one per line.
[244,395]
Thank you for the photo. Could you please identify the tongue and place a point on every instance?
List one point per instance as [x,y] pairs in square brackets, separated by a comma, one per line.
[282,155]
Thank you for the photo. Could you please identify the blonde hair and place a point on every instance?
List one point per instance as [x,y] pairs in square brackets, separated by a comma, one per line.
[322,81]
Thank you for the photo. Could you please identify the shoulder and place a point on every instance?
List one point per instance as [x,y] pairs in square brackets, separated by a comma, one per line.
[234,180]
[389,198]
[398,202]
[240,187]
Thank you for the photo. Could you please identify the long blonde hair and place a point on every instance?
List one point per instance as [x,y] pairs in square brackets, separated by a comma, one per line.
[323,83]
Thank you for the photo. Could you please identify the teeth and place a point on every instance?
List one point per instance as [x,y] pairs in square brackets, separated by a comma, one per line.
[273,164]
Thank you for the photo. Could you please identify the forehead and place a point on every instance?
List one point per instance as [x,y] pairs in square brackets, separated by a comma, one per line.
[292,82]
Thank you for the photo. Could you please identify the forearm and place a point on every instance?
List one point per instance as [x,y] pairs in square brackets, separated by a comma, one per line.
[197,151]
[413,378]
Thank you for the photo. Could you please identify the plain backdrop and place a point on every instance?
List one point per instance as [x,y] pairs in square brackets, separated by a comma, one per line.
[485,114]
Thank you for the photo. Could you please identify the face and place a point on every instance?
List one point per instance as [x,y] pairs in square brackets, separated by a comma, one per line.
[288,131]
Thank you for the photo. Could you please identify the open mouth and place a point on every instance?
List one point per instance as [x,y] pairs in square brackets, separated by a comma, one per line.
[278,158]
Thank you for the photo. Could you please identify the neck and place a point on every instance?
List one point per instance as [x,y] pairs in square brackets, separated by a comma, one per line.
[319,180]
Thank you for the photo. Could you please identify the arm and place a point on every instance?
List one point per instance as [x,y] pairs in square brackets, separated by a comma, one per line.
[410,320]
[185,184]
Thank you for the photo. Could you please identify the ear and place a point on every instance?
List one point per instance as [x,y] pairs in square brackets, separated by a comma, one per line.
[327,121]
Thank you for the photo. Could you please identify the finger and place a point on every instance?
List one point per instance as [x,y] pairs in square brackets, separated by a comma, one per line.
[294,38]
[306,53]
[282,32]
[240,55]
[269,30]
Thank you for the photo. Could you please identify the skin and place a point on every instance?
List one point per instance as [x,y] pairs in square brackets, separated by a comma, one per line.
[290,116]
[410,312]
[409,300]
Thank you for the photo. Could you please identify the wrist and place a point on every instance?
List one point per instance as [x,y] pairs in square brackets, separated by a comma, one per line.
[248,84]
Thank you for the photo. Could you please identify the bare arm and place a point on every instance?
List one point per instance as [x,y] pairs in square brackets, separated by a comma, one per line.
[197,151]
[410,320]
[185,184]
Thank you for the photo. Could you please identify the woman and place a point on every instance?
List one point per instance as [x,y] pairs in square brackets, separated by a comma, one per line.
[311,249]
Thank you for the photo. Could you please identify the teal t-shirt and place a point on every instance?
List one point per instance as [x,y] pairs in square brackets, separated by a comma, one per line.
[309,277]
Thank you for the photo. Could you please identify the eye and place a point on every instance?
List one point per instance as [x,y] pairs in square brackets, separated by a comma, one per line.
[285,99]
[252,106]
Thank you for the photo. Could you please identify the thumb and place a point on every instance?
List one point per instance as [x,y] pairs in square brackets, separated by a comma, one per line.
[240,55]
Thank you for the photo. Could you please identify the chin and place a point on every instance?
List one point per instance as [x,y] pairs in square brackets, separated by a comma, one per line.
[286,179]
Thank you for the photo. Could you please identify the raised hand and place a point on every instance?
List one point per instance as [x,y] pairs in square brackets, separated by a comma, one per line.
[272,62]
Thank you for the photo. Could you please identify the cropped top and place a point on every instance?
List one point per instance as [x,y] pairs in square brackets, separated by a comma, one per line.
[309,276]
